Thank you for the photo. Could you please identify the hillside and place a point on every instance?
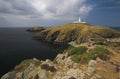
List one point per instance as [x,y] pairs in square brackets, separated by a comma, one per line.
[87,60]
[82,62]
[78,32]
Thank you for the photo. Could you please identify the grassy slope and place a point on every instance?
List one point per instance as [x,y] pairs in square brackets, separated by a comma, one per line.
[76,31]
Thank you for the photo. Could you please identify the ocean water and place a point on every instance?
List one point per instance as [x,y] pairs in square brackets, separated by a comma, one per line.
[16,45]
[116,28]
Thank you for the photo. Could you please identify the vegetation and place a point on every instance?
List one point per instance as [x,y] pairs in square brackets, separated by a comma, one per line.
[75,31]
[98,52]
[99,43]
[24,64]
[55,61]
[77,50]
[80,54]
[107,43]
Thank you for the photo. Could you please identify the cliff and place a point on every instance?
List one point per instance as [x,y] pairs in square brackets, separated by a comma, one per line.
[85,60]
[81,62]
[78,32]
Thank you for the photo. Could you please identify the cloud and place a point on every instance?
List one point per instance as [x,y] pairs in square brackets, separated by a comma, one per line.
[62,8]
[16,7]
[25,12]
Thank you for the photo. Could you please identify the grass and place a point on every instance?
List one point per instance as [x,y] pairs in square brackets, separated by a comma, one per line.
[80,54]
[77,50]
[76,31]
[24,64]
[99,43]
[55,61]
[107,43]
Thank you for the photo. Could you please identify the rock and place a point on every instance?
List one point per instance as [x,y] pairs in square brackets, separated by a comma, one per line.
[65,68]
[92,63]
[72,78]
[59,75]
[96,76]
[24,74]
[114,40]
[91,67]
[99,60]
[68,63]
[42,74]
[9,75]
[34,72]
[36,77]
[36,29]
[61,58]
[76,73]
[90,71]
[30,67]
[48,68]
[68,77]
[70,74]
[49,62]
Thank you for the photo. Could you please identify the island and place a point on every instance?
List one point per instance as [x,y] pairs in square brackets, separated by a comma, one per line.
[35,29]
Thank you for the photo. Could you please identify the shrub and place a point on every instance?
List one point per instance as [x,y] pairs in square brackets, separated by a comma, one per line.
[76,53]
[100,52]
[99,43]
[77,50]
[75,58]
[55,61]
[80,54]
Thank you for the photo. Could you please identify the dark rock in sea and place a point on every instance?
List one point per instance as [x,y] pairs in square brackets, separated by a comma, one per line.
[36,29]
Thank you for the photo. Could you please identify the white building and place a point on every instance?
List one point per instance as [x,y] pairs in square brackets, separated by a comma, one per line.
[79,21]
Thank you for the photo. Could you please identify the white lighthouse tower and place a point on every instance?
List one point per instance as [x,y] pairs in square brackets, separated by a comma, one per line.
[79,21]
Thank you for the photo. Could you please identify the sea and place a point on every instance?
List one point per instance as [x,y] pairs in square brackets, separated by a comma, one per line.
[16,45]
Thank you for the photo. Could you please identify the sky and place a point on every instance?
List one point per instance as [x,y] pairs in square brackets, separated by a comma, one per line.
[25,13]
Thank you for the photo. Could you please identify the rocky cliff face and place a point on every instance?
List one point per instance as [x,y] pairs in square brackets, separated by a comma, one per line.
[78,32]
[64,68]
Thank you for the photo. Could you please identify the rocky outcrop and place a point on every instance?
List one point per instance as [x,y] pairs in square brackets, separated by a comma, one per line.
[64,67]
[78,32]
[114,40]
[62,70]
[36,29]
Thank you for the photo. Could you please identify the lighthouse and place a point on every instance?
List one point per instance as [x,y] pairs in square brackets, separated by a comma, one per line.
[79,21]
